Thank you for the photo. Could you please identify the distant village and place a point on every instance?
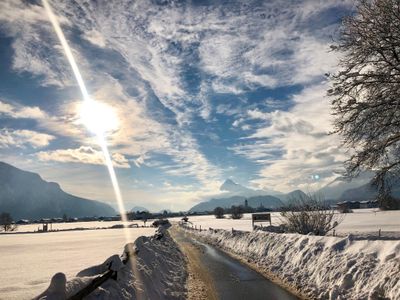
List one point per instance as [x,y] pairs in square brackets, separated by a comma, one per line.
[146,215]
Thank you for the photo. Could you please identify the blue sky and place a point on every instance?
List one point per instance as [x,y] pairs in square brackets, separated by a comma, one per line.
[203,90]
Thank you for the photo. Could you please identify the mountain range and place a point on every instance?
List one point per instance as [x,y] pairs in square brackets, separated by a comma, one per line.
[236,194]
[25,195]
[366,192]
[335,189]
[340,189]
[254,201]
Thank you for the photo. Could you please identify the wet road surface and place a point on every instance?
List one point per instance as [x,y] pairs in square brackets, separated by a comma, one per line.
[231,279]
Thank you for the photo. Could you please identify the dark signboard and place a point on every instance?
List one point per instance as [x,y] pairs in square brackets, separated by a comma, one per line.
[261,218]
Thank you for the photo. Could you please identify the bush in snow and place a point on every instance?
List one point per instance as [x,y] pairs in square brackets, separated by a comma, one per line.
[344,208]
[160,222]
[219,212]
[236,212]
[307,214]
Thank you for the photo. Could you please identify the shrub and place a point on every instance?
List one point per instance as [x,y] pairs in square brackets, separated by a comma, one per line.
[160,222]
[344,209]
[308,214]
[219,212]
[236,212]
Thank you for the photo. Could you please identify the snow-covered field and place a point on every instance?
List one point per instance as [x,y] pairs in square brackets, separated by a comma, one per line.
[73,225]
[28,261]
[361,220]
[320,267]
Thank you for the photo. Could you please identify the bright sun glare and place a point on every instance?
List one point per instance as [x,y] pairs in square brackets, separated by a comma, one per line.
[98,117]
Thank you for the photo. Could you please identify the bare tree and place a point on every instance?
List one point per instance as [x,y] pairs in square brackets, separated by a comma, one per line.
[6,222]
[366,91]
[308,214]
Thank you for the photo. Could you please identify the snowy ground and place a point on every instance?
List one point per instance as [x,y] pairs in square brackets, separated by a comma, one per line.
[28,261]
[73,225]
[320,267]
[361,220]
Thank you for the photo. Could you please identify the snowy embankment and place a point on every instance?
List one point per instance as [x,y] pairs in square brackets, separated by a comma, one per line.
[156,269]
[318,267]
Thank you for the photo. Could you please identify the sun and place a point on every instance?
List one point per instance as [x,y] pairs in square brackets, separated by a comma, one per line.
[98,117]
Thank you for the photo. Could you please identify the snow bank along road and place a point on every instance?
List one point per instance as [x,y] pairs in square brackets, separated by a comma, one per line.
[318,267]
[228,279]
[155,270]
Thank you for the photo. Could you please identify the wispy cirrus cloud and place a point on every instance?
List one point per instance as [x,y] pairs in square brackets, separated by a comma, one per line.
[140,133]
[192,85]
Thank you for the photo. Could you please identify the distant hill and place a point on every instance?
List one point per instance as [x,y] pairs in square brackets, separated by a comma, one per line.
[337,187]
[366,192]
[255,201]
[26,195]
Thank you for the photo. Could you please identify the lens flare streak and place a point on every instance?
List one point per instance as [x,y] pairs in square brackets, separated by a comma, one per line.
[86,98]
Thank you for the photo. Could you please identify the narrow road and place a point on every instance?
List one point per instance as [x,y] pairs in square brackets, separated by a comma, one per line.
[225,277]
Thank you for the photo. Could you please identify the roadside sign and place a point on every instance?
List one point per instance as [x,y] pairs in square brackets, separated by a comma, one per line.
[266,217]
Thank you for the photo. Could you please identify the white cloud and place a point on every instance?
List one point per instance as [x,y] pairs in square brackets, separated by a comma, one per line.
[58,124]
[18,111]
[83,154]
[21,138]
[257,114]
[95,37]
[139,161]
[35,50]
[292,146]
[237,122]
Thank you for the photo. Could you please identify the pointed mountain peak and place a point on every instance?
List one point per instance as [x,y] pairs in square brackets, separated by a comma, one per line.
[228,185]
